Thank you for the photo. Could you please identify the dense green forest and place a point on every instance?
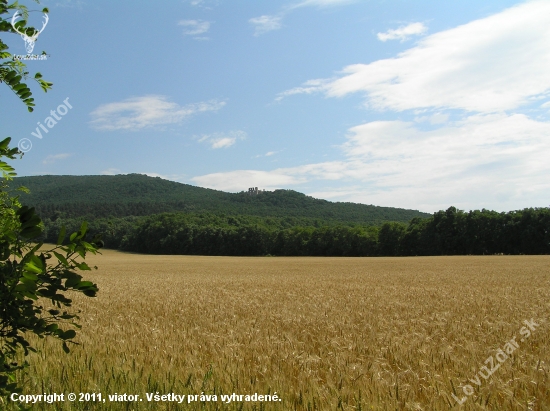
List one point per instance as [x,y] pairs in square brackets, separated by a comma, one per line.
[94,197]
[150,215]
[450,232]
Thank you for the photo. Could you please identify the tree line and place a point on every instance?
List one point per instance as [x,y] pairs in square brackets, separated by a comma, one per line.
[449,232]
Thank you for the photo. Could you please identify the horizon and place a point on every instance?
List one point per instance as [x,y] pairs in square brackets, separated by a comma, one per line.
[420,107]
[260,190]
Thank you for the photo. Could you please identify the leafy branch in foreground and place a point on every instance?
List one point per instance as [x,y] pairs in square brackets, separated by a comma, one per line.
[34,283]
[30,277]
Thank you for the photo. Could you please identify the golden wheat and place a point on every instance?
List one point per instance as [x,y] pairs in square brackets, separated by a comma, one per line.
[323,333]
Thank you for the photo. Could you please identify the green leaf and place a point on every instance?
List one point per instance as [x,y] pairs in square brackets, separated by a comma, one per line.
[85,284]
[30,276]
[66,348]
[10,75]
[83,266]
[20,86]
[31,267]
[61,236]
[31,232]
[5,143]
[83,229]
[24,95]
[61,258]
[14,81]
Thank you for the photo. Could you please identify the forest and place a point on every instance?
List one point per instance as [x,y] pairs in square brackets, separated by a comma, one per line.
[150,215]
[449,232]
[92,197]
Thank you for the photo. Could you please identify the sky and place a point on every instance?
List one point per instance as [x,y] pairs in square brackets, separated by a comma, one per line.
[421,104]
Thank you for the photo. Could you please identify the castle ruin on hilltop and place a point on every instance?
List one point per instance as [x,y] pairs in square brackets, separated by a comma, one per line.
[253,191]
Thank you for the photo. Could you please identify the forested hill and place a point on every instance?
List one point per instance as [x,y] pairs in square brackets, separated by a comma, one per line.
[139,195]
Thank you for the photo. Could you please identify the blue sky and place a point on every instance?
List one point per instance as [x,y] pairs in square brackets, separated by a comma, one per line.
[416,104]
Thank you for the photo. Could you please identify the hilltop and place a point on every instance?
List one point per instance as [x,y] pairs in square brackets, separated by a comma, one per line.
[141,195]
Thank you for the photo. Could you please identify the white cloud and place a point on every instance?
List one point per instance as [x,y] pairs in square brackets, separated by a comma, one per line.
[204,4]
[140,112]
[309,87]
[336,193]
[403,33]
[437,118]
[55,157]
[268,154]
[240,180]
[195,27]
[222,140]
[111,172]
[265,23]
[321,3]
[171,177]
[496,161]
[488,65]
[115,171]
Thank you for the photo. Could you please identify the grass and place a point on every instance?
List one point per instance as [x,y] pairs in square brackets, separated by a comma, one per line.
[323,333]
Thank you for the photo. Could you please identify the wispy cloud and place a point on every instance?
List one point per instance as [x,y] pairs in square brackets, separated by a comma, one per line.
[309,87]
[111,172]
[268,154]
[56,157]
[265,23]
[240,180]
[403,33]
[489,65]
[321,3]
[195,28]
[222,140]
[115,171]
[204,4]
[171,177]
[140,112]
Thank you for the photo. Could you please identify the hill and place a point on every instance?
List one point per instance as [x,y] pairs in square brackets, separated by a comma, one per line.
[140,195]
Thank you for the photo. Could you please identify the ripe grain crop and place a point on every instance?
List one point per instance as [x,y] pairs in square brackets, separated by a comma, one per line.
[323,333]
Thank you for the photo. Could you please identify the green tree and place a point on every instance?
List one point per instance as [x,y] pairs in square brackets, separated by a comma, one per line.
[390,237]
[34,283]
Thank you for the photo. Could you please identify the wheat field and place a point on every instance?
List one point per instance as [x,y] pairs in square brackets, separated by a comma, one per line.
[321,333]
